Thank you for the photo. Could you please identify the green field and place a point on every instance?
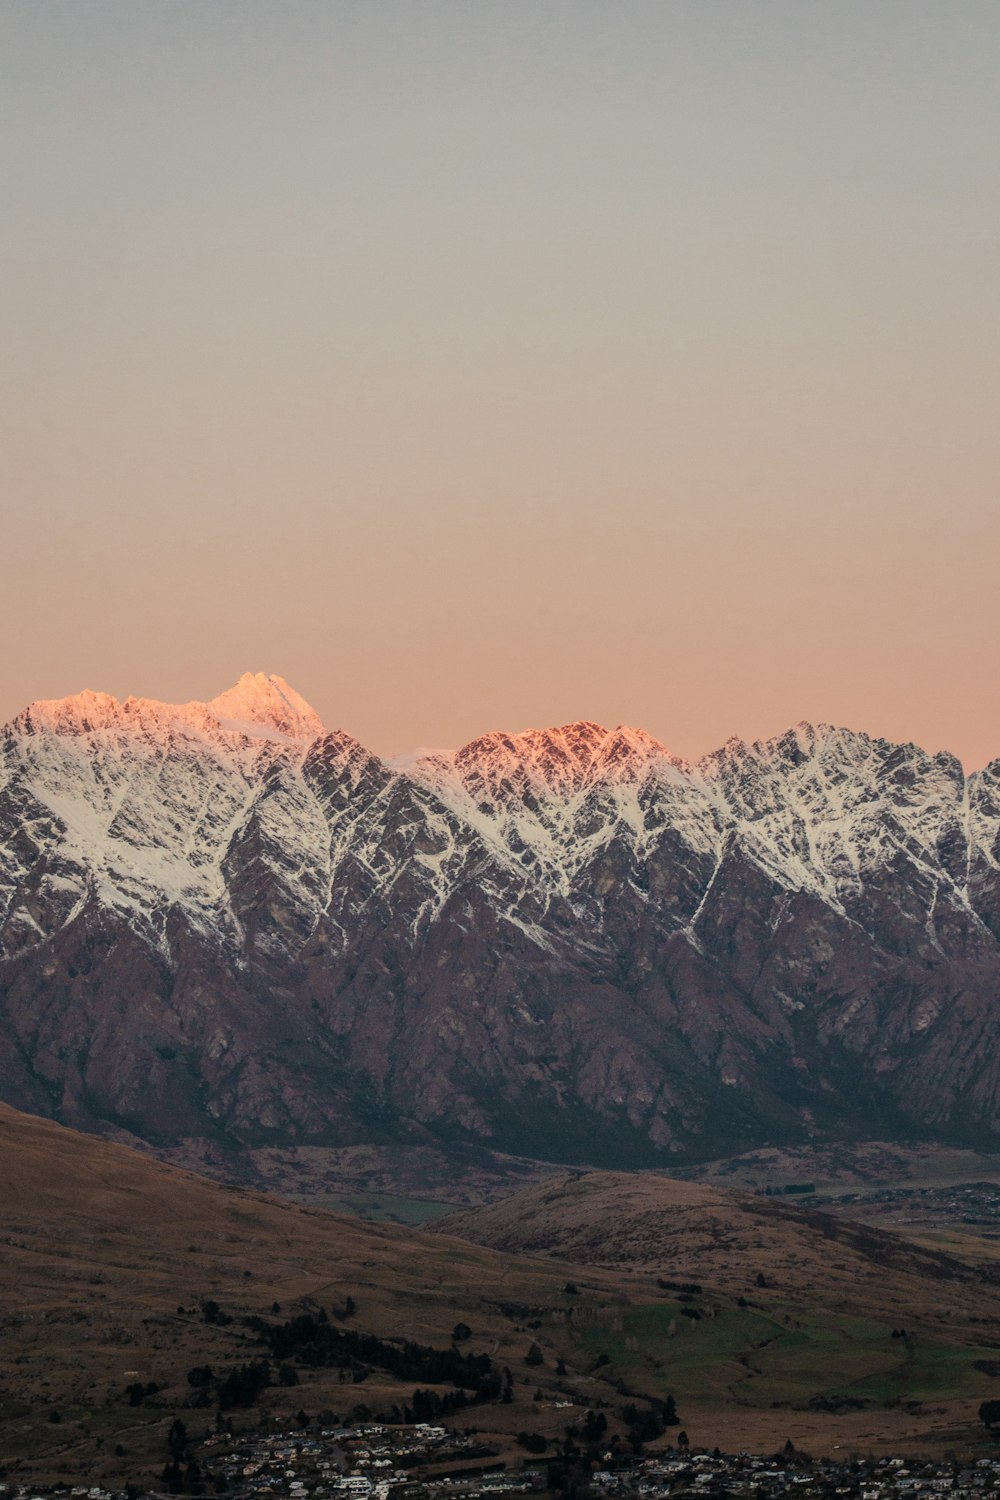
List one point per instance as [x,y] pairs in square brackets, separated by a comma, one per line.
[757,1359]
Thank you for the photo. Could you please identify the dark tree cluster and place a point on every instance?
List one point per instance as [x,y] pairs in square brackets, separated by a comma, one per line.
[428,1406]
[240,1386]
[137,1392]
[313,1341]
[243,1384]
[534,1442]
[212,1313]
[645,1426]
[595,1425]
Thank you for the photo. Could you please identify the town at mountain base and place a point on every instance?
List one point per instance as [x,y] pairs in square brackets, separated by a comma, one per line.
[222,925]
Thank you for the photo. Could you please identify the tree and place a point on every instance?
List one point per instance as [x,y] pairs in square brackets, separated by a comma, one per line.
[534,1356]
[646,1425]
[212,1313]
[461,1332]
[243,1384]
[594,1427]
[172,1477]
[989,1413]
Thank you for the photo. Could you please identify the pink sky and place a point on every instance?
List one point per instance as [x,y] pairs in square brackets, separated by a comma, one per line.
[484,366]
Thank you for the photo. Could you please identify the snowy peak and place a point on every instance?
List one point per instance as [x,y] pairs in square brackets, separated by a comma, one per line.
[80,714]
[556,757]
[546,801]
[627,754]
[564,759]
[98,717]
[262,705]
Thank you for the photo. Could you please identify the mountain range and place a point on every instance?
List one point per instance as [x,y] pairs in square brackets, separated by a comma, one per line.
[221,923]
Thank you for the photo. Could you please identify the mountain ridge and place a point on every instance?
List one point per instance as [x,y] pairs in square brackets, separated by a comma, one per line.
[561,942]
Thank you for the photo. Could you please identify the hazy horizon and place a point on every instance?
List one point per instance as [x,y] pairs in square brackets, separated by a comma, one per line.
[479,366]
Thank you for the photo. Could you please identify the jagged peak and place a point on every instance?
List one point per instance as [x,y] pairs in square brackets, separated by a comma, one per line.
[260,705]
[806,740]
[77,714]
[562,755]
[577,736]
[798,743]
[829,752]
[264,701]
[638,740]
[733,750]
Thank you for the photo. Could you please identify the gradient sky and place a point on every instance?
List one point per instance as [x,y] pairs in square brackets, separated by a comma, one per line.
[485,365]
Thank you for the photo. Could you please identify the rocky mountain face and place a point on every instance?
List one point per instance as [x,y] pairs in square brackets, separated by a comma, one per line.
[218,921]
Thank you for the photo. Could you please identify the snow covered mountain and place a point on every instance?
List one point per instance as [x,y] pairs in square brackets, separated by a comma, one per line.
[220,921]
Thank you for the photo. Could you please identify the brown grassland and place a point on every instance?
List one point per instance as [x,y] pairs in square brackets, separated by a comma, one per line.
[108,1256]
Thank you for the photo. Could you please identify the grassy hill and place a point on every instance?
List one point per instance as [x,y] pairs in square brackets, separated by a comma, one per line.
[107,1258]
[726,1239]
[840,1332]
